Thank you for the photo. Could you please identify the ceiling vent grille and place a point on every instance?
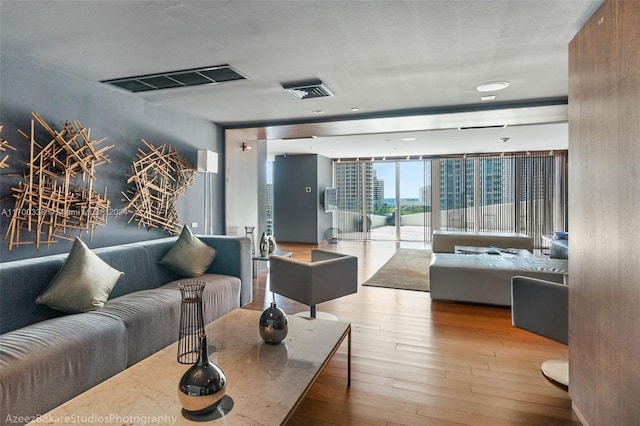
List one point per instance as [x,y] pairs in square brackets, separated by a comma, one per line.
[308,89]
[173,79]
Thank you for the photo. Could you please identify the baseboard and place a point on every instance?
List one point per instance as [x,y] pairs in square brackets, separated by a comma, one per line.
[576,410]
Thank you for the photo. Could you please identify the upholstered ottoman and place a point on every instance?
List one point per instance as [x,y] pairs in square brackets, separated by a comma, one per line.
[445,241]
[486,278]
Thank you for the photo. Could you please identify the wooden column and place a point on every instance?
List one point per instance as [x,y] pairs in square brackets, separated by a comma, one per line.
[604,216]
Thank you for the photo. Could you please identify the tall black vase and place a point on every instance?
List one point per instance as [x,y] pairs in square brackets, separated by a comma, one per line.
[203,385]
[191,321]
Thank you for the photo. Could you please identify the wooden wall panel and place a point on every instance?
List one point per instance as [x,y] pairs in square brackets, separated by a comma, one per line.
[604,216]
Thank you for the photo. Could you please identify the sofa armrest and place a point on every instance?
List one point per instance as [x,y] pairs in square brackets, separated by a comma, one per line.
[541,307]
[233,257]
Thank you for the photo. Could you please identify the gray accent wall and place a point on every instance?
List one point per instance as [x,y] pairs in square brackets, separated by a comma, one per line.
[298,182]
[123,119]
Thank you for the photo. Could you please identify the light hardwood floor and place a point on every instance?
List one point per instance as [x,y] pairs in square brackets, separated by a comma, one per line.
[418,362]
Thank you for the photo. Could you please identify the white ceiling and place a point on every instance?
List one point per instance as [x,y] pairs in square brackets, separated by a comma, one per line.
[384,57]
[541,137]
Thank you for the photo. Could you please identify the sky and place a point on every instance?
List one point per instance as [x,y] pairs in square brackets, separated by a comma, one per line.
[411,178]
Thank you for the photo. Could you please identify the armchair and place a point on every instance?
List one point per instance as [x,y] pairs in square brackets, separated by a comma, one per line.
[329,275]
[542,307]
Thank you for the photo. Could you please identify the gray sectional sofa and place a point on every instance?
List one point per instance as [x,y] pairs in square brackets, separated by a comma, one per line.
[47,357]
[486,278]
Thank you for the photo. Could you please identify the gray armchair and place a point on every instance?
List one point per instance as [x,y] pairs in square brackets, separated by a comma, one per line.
[542,307]
[329,275]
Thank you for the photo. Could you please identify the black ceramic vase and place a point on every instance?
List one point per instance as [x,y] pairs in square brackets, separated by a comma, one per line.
[274,325]
[203,385]
[264,245]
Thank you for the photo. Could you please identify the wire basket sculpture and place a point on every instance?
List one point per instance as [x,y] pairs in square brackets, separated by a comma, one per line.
[191,321]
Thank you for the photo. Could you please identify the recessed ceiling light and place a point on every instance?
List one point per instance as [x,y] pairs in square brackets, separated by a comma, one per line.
[408,139]
[488,98]
[492,86]
[318,111]
[354,109]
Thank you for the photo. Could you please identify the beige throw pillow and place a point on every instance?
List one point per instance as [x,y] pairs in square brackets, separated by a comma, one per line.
[188,256]
[82,284]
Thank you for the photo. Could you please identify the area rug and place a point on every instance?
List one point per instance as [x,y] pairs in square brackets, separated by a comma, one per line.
[406,270]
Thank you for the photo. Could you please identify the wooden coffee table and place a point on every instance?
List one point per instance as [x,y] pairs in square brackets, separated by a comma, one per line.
[265,383]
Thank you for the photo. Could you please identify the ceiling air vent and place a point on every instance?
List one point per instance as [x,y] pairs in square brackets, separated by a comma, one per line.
[308,89]
[173,79]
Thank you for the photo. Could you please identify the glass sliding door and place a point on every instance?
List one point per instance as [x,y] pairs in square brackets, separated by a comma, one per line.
[350,181]
[396,196]
[383,200]
[414,201]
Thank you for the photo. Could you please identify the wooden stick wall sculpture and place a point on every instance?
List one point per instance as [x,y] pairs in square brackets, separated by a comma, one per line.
[55,199]
[4,144]
[159,177]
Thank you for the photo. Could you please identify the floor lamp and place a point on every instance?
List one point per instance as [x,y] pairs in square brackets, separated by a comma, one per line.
[207,163]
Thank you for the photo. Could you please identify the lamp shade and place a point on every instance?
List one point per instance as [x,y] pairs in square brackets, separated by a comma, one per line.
[207,161]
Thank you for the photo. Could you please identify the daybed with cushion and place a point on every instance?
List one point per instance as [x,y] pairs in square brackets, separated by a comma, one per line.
[48,356]
[486,278]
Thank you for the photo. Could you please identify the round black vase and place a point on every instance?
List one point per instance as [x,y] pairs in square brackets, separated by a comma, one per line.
[203,385]
[274,325]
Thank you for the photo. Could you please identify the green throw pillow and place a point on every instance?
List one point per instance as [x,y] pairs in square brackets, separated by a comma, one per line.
[188,256]
[82,284]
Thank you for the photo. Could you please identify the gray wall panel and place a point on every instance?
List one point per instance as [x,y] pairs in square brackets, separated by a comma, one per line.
[298,215]
[121,117]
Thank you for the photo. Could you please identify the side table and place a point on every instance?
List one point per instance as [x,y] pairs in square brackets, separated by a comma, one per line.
[259,258]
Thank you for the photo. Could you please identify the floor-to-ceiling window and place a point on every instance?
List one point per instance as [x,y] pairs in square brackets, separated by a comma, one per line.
[406,199]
